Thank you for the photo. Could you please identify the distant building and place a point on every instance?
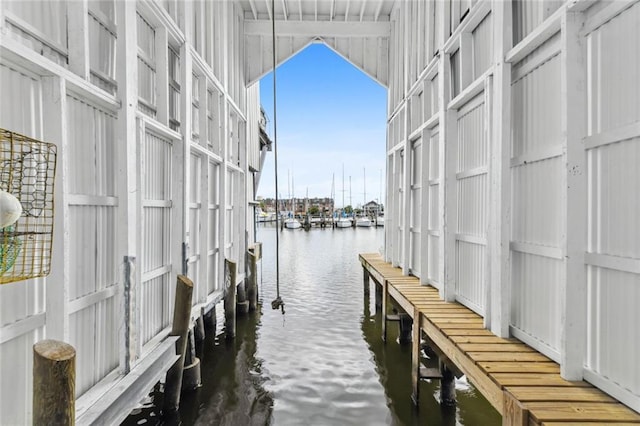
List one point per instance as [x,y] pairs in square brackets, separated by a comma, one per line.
[372,208]
[324,205]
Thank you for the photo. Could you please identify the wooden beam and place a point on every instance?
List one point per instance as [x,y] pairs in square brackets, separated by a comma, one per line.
[498,309]
[574,124]
[514,413]
[318,29]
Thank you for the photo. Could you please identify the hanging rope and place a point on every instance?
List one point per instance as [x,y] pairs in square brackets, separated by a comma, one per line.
[277,303]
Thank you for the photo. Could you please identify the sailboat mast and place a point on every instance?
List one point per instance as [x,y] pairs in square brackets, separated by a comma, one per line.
[364,201]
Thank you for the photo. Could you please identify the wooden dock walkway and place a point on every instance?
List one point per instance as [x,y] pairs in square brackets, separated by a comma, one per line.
[523,385]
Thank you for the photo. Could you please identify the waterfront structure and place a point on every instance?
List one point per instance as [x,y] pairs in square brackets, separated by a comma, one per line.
[513,130]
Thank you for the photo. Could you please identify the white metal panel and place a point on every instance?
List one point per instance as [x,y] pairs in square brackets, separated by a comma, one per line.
[536,109]
[613,71]
[40,25]
[482,39]
[146,66]
[102,44]
[23,116]
[535,292]
[528,14]
[94,334]
[94,328]
[537,222]
[536,200]
[157,291]
[21,300]
[16,386]
[612,340]
[472,204]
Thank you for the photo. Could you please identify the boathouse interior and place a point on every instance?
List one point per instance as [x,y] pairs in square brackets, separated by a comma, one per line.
[512,185]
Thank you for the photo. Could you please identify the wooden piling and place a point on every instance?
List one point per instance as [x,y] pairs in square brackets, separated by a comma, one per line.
[365,280]
[54,383]
[180,328]
[210,321]
[252,283]
[415,357]
[199,334]
[447,386]
[405,328]
[230,298]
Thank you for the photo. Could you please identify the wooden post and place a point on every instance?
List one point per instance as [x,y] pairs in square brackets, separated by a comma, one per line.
[415,357]
[180,328]
[54,383]
[378,296]
[199,334]
[252,283]
[447,386]
[230,298]
[384,310]
[365,279]
[210,321]
[405,328]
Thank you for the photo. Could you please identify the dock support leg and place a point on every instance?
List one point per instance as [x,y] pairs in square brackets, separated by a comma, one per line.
[378,296]
[384,310]
[405,328]
[252,284]
[210,321]
[198,334]
[230,299]
[415,357]
[447,386]
[365,280]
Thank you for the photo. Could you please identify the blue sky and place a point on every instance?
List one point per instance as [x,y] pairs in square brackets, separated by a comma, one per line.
[329,113]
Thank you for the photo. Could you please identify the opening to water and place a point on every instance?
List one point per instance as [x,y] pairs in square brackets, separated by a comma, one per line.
[323,362]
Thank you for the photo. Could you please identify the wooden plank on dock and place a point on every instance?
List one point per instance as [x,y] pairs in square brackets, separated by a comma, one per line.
[552,411]
[546,393]
[523,385]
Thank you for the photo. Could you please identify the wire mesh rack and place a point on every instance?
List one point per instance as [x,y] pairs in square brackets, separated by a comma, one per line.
[27,172]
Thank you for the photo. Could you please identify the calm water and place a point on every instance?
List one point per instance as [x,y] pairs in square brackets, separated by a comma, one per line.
[322,362]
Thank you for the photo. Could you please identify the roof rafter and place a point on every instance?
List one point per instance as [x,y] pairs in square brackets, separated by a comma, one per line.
[320,28]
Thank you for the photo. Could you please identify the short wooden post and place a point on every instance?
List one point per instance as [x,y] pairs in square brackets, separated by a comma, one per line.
[365,280]
[230,299]
[415,357]
[378,296]
[447,386]
[252,283]
[180,328]
[54,383]
[513,412]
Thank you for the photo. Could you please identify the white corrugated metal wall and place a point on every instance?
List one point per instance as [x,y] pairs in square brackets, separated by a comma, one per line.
[22,307]
[613,244]
[94,297]
[503,220]
[123,174]
[536,172]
